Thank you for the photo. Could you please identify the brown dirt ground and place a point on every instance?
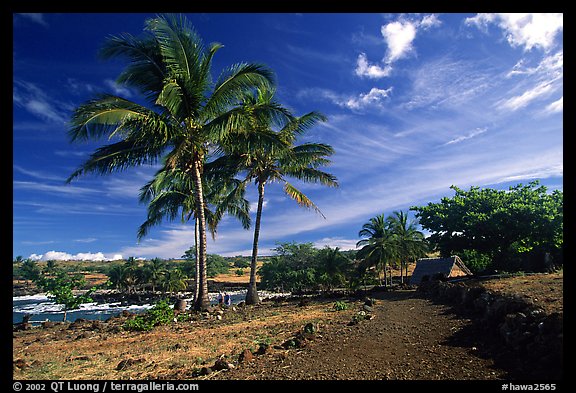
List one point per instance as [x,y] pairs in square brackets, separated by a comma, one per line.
[408,338]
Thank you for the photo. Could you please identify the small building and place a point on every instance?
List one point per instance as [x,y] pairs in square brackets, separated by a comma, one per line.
[427,268]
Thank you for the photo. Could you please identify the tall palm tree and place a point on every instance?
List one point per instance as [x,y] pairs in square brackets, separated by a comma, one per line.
[154,271]
[379,247]
[185,111]
[411,243]
[267,156]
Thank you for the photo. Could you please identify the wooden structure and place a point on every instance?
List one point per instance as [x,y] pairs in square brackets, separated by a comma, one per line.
[427,268]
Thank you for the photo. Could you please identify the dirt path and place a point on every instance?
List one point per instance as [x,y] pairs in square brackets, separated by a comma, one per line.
[408,338]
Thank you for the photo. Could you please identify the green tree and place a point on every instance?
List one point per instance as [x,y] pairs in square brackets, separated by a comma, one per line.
[186,111]
[171,195]
[155,269]
[30,271]
[293,268]
[334,268]
[379,248]
[60,289]
[410,242]
[174,280]
[514,229]
[265,156]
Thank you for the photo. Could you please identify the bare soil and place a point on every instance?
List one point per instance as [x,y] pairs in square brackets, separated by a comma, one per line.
[408,337]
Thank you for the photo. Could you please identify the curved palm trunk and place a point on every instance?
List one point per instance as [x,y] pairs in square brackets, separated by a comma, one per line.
[252,294]
[202,301]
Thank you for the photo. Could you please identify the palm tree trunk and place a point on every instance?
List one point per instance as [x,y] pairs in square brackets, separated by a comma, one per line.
[252,293]
[196,243]
[202,301]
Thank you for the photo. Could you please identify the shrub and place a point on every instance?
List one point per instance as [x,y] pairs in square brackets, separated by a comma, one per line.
[340,305]
[160,314]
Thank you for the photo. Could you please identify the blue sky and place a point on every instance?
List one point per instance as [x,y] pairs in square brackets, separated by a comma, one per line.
[415,103]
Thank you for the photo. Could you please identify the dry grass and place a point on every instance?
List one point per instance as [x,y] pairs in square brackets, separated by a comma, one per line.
[174,351]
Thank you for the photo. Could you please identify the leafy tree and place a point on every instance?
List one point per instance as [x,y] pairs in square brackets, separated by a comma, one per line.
[186,112]
[60,289]
[514,229]
[291,269]
[265,156]
[215,264]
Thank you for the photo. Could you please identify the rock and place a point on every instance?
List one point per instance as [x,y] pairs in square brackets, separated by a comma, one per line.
[367,308]
[124,364]
[246,356]
[21,364]
[262,348]
[222,364]
[180,305]
[205,370]
[369,302]
[48,324]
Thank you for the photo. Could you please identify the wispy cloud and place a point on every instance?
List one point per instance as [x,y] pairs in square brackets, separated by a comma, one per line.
[35,17]
[528,31]
[37,174]
[541,90]
[472,134]
[118,89]
[54,189]
[34,100]
[86,240]
[555,107]
[375,98]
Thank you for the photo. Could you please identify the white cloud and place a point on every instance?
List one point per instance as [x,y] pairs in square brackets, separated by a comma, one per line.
[81,256]
[117,89]
[556,106]
[539,91]
[471,134]
[399,36]
[333,242]
[551,66]
[522,29]
[35,17]
[374,97]
[370,70]
[36,101]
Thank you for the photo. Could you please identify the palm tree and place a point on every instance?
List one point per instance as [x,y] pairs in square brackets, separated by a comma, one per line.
[174,281]
[410,242]
[186,110]
[155,269]
[170,194]
[379,247]
[266,156]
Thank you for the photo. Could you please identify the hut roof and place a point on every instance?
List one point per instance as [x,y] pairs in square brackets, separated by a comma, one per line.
[432,266]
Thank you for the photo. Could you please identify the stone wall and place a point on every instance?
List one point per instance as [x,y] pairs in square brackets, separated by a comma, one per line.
[518,325]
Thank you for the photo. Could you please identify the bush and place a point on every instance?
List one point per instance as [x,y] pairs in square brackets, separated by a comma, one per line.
[340,305]
[160,314]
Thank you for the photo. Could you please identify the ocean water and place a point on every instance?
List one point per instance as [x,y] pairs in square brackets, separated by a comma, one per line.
[42,308]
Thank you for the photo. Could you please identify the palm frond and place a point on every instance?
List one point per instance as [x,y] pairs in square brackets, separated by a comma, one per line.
[300,197]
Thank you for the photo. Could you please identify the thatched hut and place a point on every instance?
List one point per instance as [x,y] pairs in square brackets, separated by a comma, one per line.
[427,268]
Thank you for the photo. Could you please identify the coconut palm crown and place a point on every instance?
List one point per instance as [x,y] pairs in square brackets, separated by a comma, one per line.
[264,156]
[184,115]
